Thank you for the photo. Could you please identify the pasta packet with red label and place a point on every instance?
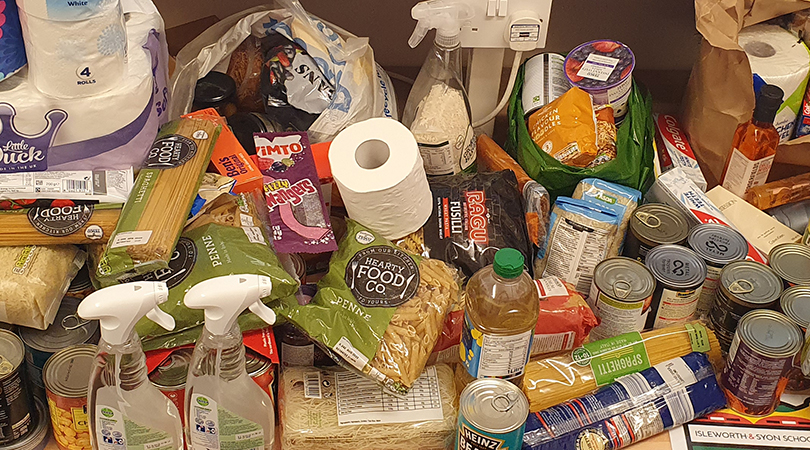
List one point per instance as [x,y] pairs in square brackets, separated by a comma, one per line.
[298,216]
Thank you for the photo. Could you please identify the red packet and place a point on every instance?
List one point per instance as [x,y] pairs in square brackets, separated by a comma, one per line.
[262,342]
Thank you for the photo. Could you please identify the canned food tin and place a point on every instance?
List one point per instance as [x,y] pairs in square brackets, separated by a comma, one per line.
[262,372]
[795,304]
[81,286]
[170,378]
[718,245]
[621,295]
[792,263]
[66,376]
[679,274]
[761,354]
[544,80]
[604,69]
[492,414]
[743,287]
[37,439]
[651,225]
[294,264]
[67,329]
[17,416]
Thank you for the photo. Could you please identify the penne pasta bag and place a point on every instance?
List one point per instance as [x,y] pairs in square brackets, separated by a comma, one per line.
[164,192]
[379,308]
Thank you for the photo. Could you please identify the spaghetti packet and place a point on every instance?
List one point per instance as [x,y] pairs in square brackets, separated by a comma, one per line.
[298,215]
[379,308]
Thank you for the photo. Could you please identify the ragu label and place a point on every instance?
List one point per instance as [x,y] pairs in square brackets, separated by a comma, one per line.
[282,192]
[382,276]
[477,217]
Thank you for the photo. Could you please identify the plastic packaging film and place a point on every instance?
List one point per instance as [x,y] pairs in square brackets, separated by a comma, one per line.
[553,380]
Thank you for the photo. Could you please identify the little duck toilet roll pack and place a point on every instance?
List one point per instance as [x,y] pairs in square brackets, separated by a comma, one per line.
[110,130]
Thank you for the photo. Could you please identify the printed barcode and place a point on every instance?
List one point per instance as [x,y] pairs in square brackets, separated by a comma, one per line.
[74,185]
[312,385]
[680,406]
[635,384]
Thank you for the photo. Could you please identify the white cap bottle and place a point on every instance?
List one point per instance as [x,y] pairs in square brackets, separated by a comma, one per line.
[217,384]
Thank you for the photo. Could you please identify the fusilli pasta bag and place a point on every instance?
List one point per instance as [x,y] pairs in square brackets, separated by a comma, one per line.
[379,308]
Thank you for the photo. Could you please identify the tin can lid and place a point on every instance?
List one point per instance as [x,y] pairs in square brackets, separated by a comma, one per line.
[256,365]
[67,329]
[791,262]
[676,267]
[67,371]
[12,352]
[624,279]
[718,244]
[35,438]
[795,304]
[171,374]
[657,223]
[81,281]
[751,282]
[494,405]
[770,333]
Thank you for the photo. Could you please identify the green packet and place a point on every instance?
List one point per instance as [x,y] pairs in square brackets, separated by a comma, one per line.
[379,308]
[210,251]
[158,206]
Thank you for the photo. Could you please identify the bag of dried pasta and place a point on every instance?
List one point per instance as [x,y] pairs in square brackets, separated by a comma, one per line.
[379,308]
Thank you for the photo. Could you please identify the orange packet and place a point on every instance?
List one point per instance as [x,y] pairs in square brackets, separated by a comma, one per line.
[229,158]
[566,128]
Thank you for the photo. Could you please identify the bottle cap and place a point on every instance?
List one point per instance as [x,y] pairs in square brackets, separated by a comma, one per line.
[768,102]
[508,263]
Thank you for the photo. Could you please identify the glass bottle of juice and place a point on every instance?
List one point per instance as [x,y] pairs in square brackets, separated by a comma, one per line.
[501,314]
[754,145]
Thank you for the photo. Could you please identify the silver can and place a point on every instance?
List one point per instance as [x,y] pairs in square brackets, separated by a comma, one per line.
[17,413]
[795,304]
[492,414]
[792,263]
[679,274]
[544,81]
[621,296]
[37,439]
[718,245]
[651,225]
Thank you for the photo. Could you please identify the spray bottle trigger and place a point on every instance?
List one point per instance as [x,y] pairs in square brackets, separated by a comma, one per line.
[418,34]
[265,313]
[161,318]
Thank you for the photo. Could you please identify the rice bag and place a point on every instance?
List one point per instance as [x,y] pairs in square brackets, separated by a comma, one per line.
[580,236]
[379,308]
[615,197]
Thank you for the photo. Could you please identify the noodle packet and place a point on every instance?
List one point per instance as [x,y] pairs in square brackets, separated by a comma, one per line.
[566,128]
[379,308]
[299,218]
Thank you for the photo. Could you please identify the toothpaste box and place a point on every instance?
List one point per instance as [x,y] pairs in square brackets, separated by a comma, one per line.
[674,150]
[676,189]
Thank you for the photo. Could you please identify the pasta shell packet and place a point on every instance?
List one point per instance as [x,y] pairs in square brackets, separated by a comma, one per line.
[379,308]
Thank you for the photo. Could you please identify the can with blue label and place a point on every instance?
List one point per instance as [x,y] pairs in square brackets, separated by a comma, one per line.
[492,415]
[12,48]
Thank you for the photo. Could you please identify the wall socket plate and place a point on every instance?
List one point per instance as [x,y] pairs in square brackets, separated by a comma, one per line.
[523,22]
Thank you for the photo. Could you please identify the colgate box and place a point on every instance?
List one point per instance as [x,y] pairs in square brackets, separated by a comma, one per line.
[676,189]
[674,150]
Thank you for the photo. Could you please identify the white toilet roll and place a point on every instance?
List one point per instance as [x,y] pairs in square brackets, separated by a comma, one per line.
[780,59]
[379,172]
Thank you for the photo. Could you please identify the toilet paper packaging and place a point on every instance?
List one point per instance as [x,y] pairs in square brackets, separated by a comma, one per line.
[777,57]
[12,49]
[112,130]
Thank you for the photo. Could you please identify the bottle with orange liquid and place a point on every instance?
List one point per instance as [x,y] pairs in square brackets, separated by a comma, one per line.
[754,145]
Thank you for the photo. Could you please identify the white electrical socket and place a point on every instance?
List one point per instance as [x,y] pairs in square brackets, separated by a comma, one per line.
[521,25]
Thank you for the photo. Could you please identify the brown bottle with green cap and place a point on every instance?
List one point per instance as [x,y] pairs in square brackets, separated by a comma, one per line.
[754,145]
[500,318]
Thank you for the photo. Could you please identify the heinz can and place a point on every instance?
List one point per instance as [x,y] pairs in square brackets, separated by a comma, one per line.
[651,225]
[17,413]
[492,414]
[792,263]
[743,286]
[621,295]
[604,69]
[67,329]
[760,356]
[37,439]
[66,375]
[544,81]
[679,274]
[170,378]
[718,245]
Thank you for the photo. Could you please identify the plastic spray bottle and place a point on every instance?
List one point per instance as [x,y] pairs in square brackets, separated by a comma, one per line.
[126,411]
[438,110]
[225,408]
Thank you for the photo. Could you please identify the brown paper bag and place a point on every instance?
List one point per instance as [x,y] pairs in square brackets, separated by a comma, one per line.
[720,93]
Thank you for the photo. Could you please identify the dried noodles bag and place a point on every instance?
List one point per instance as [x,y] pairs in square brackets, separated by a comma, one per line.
[379,308]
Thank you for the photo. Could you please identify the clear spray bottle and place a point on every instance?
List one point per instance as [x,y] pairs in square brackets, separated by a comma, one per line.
[126,411]
[225,408]
[438,111]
